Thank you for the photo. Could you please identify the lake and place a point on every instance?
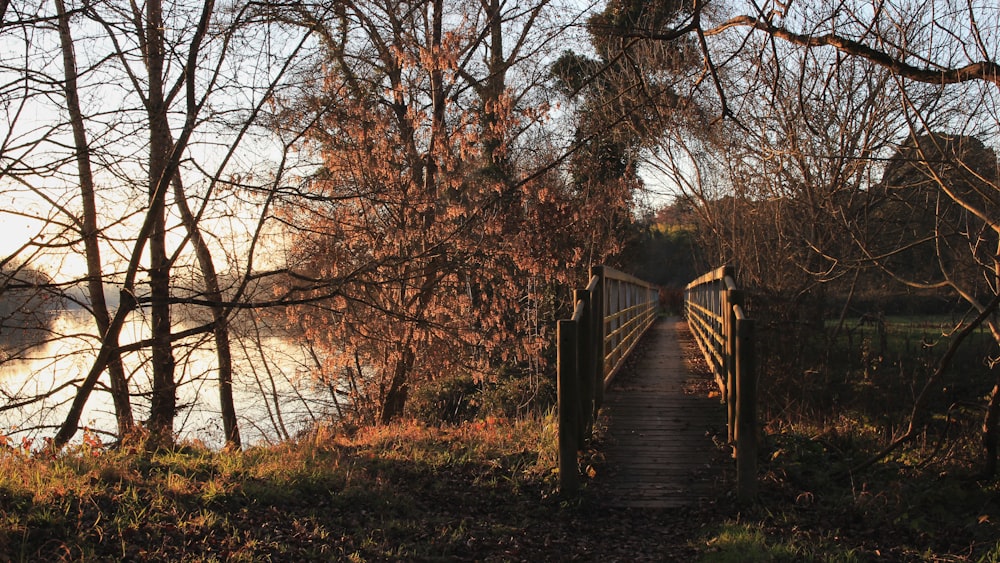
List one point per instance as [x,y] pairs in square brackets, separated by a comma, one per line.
[274,392]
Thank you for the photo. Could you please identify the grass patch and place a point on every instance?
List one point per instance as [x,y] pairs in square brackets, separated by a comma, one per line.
[485,489]
[745,543]
[813,507]
[827,405]
[480,490]
[750,543]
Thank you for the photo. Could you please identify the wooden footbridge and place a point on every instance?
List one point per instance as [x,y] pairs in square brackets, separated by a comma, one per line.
[624,367]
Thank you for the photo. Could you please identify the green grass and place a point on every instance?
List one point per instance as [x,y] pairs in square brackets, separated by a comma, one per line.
[749,543]
[909,335]
[744,543]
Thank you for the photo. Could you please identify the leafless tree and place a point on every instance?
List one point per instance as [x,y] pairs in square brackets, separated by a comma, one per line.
[148,155]
[932,76]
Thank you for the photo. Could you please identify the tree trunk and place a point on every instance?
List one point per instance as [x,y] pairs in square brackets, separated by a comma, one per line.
[395,397]
[992,418]
[163,404]
[95,283]
[220,319]
[491,93]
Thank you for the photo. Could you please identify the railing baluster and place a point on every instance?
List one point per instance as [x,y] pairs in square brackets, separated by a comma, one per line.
[597,320]
[609,317]
[568,402]
[746,409]
[725,336]
[584,363]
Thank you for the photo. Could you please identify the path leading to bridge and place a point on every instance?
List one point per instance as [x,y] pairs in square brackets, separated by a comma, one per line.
[663,423]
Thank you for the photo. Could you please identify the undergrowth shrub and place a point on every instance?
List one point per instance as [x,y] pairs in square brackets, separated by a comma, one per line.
[834,392]
[460,399]
[449,400]
[517,396]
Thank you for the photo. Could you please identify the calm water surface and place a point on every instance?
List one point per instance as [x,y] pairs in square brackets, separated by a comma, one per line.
[274,393]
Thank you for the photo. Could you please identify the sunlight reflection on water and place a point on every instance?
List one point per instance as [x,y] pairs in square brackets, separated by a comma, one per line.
[272,388]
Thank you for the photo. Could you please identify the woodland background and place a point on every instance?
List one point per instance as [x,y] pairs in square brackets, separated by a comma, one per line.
[406,191]
[236,222]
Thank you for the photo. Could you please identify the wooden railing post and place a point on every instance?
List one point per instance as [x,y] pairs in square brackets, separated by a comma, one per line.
[715,309]
[729,335]
[612,313]
[597,307]
[734,302]
[568,402]
[614,306]
[585,368]
[746,411]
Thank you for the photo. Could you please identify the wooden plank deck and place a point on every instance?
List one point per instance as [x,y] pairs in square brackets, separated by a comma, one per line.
[661,428]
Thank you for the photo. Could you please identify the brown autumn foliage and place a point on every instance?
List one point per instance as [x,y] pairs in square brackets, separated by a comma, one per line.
[445,234]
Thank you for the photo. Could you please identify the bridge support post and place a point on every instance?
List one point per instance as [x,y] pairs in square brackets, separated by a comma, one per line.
[585,367]
[728,299]
[568,404]
[746,413]
[732,300]
[600,330]
[613,306]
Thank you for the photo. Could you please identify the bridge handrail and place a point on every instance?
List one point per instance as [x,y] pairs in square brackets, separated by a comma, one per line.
[716,317]
[609,317]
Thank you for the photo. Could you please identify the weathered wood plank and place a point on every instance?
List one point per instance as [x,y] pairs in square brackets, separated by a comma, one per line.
[659,443]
